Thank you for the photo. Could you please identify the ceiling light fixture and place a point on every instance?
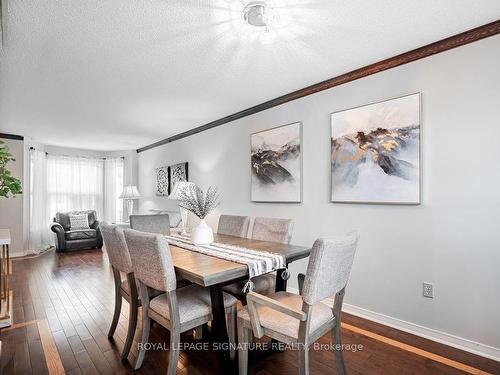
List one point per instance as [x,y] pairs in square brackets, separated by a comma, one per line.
[258,14]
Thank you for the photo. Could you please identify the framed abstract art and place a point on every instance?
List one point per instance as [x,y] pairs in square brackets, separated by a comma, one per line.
[276,164]
[177,172]
[162,181]
[375,152]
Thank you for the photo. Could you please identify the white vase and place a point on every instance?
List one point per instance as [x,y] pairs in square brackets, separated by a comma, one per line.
[202,234]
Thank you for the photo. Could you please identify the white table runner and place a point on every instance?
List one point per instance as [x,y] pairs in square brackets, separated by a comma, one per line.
[258,262]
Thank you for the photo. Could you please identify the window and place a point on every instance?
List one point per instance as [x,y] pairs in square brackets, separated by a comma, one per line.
[75,183]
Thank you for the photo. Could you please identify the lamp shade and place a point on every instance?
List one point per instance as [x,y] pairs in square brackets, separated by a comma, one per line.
[130,192]
[178,187]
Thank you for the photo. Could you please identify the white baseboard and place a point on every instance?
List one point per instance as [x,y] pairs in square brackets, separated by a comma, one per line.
[18,254]
[30,254]
[421,331]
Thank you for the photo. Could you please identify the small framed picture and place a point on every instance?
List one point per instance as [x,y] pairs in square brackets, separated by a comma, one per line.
[177,172]
[162,181]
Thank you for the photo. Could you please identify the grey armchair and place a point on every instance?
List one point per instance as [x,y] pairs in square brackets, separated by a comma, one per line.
[300,320]
[70,240]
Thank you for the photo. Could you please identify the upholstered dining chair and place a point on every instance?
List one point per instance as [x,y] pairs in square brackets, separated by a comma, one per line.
[272,229]
[119,258]
[151,223]
[178,310]
[264,229]
[159,224]
[232,225]
[300,320]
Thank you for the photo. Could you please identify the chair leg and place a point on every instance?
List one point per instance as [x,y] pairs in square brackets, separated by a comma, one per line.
[231,330]
[118,303]
[304,360]
[132,319]
[301,278]
[173,357]
[146,325]
[198,333]
[339,357]
[244,335]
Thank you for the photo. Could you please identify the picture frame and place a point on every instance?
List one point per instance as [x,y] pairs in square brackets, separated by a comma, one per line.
[177,172]
[276,164]
[376,152]
[162,181]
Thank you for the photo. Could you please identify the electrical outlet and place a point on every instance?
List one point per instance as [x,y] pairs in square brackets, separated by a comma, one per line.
[428,290]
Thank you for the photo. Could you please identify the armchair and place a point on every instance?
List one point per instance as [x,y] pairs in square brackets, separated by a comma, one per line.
[70,240]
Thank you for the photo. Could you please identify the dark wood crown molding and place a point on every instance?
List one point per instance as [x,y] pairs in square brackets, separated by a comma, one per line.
[12,136]
[455,41]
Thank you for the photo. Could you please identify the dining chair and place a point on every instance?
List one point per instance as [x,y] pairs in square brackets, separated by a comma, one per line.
[232,225]
[119,258]
[151,223]
[160,224]
[178,310]
[264,229]
[272,229]
[300,320]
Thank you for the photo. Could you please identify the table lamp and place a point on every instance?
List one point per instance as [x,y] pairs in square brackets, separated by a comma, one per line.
[130,193]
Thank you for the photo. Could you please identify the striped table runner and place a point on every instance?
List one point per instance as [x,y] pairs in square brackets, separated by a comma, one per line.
[258,262]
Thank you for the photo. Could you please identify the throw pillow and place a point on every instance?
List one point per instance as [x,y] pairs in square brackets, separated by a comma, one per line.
[80,221]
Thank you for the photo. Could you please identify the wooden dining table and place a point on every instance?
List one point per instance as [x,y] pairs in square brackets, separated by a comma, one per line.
[215,273]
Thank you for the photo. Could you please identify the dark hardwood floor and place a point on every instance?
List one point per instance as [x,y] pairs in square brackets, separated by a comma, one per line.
[73,293]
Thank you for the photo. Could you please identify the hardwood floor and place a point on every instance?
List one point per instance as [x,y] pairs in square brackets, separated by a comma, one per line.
[63,305]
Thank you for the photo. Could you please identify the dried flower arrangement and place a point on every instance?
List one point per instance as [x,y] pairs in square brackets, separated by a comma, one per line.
[194,199]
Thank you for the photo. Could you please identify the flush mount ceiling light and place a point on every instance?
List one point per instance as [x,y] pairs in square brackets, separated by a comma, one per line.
[257,14]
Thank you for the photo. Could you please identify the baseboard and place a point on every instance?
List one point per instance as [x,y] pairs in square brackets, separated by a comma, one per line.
[421,331]
[29,254]
[18,254]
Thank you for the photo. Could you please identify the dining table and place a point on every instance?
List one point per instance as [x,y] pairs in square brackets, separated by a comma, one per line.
[214,273]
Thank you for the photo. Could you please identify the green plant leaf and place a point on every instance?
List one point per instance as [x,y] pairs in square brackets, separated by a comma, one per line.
[9,185]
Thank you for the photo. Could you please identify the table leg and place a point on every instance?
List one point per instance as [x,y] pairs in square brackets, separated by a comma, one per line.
[280,287]
[1,277]
[219,329]
[7,273]
[280,281]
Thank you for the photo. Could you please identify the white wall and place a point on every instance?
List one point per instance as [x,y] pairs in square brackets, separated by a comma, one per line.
[11,209]
[451,240]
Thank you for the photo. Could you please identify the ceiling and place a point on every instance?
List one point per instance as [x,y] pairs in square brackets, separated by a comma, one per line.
[120,74]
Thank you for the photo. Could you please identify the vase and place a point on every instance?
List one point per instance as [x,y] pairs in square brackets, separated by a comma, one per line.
[202,234]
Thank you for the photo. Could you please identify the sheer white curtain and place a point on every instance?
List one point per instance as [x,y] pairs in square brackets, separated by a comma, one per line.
[113,186]
[39,236]
[63,183]
[74,183]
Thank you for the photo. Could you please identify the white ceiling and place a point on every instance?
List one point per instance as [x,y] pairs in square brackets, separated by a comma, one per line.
[120,74]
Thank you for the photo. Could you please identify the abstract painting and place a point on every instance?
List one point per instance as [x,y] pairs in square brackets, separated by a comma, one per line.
[178,172]
[162,181]
[276,158]
[375,154]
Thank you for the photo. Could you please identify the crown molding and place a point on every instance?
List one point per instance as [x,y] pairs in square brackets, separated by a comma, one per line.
[443,45]
[12,136]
